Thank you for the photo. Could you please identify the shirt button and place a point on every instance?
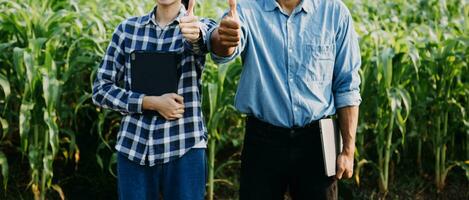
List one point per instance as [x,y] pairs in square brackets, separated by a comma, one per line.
[295,109]
[291,80]
[290,50]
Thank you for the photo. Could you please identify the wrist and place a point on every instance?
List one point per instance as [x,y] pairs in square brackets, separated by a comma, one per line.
[198,38]
[348,150]
[151,102]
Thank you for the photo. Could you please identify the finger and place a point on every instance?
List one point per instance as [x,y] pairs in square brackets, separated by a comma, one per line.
[230,23]
[349,174]
[176,116]
[189,31]
[178,98]
[167,117]
[340,172]
[229,39]
[178,111]
[229,44]
[228,31]
[232,4]
[188,19]
[190,8]
[189,25]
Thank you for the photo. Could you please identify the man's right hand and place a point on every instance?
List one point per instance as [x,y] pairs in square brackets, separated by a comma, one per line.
[229,30]
[228,35]
[170,106]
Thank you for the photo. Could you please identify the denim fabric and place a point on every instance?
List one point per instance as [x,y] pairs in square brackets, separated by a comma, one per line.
[297,68]
[179,179]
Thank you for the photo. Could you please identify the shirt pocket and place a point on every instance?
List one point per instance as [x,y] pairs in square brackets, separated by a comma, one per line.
[317,63]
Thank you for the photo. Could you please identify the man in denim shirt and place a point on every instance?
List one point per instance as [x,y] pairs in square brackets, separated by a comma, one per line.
[300,63]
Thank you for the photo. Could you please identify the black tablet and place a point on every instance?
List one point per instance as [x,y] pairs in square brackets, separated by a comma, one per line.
[154,73]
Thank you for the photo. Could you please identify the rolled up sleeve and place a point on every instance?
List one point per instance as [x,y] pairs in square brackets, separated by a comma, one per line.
[346,77]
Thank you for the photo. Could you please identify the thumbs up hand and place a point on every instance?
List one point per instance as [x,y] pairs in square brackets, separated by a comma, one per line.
[230,28]
[189,24]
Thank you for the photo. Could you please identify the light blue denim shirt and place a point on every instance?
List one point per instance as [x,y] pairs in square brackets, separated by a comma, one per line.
[296,68]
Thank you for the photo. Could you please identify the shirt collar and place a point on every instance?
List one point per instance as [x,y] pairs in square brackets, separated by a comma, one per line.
[306,5]
[150,17]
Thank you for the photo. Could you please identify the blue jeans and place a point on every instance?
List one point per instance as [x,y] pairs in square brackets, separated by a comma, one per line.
[180,179]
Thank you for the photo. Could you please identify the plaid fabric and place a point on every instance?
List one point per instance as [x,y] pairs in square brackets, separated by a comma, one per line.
[151,140]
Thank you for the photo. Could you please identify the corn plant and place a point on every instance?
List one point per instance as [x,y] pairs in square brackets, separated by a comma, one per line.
[447,63]
[399,39]
[219,86]
[5,86]
[218,93]
[414,75]
[38,65]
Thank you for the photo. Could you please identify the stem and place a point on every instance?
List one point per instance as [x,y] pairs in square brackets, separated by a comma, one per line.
[211,172]
[36,189]
[438,149]
[443,152]
[419,155]
[44,173]
[388,153]
[381,162]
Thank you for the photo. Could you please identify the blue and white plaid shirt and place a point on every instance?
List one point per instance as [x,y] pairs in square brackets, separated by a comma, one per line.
[151,140]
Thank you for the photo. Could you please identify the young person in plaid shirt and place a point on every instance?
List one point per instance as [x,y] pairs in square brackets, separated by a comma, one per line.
[158,155]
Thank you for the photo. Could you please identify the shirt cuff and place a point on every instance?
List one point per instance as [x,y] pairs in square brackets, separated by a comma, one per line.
[344,99]
[134,104]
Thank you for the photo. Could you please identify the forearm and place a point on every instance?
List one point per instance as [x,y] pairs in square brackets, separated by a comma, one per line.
[348,120]
[147,103]
[152,103]
[107,95]
[218,48]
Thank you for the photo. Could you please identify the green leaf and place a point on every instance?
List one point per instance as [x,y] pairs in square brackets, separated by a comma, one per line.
[50,84]
[5,85]
[81,101]
[29,65]
[415,57]
[222,70]
[18,62]
[59,190]
[99,161]
[386,57]
[25,123]
[112,162]
[51,120]
[4,166]
[406,99]
[213,97]
[4,124]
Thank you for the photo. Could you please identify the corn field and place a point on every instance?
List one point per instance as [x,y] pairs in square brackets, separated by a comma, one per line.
[413,135]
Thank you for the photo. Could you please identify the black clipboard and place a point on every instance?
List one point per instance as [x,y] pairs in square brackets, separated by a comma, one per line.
[154,73]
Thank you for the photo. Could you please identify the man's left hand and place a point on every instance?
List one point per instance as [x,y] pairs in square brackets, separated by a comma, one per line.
[344,165]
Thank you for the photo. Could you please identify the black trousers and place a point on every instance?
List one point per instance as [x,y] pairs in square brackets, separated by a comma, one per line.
[275,160]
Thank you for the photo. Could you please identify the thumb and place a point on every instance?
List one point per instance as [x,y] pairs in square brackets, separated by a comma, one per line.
[232,4]
[190,8]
